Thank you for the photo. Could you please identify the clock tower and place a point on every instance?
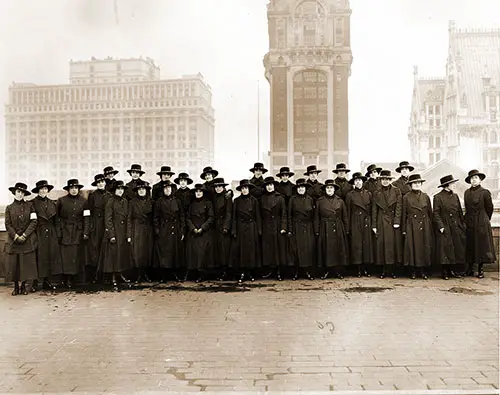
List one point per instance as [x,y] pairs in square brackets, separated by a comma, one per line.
[308,66]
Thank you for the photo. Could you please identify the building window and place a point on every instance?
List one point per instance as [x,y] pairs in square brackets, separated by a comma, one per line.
[310,33]
[438,142]
[431,123]
[431,158]
[438,110]
[339,32]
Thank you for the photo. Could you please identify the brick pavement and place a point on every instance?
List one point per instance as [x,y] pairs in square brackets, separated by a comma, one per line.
[291,336]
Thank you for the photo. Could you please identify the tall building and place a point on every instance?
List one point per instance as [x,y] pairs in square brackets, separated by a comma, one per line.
[114,112]
[457,117]
[308,66]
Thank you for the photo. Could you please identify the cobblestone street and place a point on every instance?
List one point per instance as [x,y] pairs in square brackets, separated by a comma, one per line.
[351,334]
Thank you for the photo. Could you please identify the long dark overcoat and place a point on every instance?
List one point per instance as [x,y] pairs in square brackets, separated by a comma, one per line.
[301,228]
[246,229]
[157,191]
[330,224]
[48,255]
[372,185]
[74,222]
[169,223]
[359,212]
[140,230]
[258,189]
[402,185]
[387,208]
[315,190]
[130,193]
[223,210]
[20,218]
[97,203]
[344,189]
[416,222]
[274,219]
[286,189]
[478,212]
[199,246]
[185,195]
[448,215]
[116,256]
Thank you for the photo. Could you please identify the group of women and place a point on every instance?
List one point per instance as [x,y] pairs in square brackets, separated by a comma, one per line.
[369,223]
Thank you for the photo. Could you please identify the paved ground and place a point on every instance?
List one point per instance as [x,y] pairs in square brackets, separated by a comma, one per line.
[311,336]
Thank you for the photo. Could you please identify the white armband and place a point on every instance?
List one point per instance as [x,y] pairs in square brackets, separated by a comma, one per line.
[86,213]
[33,216]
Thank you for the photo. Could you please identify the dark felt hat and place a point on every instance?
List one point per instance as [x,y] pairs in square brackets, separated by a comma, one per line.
[302,182]
[72,183]
[137,168]
[371,168]
[244,183]
[198,187]
[142,184]
[270,180]
[474,172]
[341,167]
[330,183]
[42,184]
[97,178]
[117,184]
[209,169]
[311,169]
[403,165]
[357,175]
[183,176]
[414,178]
[165,170]
[20,186]
[109,170]
[285,171]
[447,180]
[258,166]
[219,182]
[385,174]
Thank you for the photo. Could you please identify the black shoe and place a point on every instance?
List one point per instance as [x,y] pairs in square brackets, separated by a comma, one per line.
[454,274]
[252,279]
[124,279]
[15,291]
[279,277]
[424,276]
[393,275]
[148,280]
[23,290]
[295,277]
[340,276]
[382,275]
[242,278]
[367,273]
[480,271]
[222,277]
[309,277]
[199,280]
[445,276]
[267,275]
[413,276]
[48,285]
[325,276]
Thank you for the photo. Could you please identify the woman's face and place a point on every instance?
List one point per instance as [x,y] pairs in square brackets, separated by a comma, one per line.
[165,177]
[452,186]
[358,183]
[374,174]
[18,194]
[119,191]
[313,176]
[219,189]
[385,182]
[135,175]
[43,192]
[101,184]
[183,183]
[141,192]
[270,187]
[73,191]
[245,190]
[198,194]
[209,177]
[301,190]
[285,178]
[405,172]
[416,186]
[257,173]
[475,181]
[330,190]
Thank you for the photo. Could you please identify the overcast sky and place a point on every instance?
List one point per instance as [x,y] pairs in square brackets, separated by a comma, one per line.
[226,40]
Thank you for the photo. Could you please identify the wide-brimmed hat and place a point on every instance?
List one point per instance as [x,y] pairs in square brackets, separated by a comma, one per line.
[312,169]
[302,182]
[72,183]
[143,184]
[167,183]
[403,165]
[285,171]
[137,168]
[165,170]
[219,182]
[244,183]
[183,176]
[270,180]
[97,178]
[357,175]
[447,180]
[371,168]
[385,174]
[42,184]
[109,170]
[117,184]
[414,178]
[198,187]
[20,186]
[474,172]
[209,169]
[341,167]
[330,183]
[258,166]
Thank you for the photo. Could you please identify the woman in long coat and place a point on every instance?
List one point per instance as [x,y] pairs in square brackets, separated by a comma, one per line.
[417,226]
[140,231]
[359,212]
[116,244]
[478,211]
[274,225]
[223,209]
[169,223]
[20,223]
[73,232]
[301,231]
[450,228]
[97,203]
[331,226]
[387,207]
[246,230]
[48,254]
[199,238]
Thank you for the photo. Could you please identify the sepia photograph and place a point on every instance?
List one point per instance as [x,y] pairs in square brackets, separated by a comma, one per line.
[250,196]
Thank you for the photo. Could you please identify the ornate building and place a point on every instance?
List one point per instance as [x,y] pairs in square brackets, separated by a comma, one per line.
[456,117]
[308,66]
[114,112]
